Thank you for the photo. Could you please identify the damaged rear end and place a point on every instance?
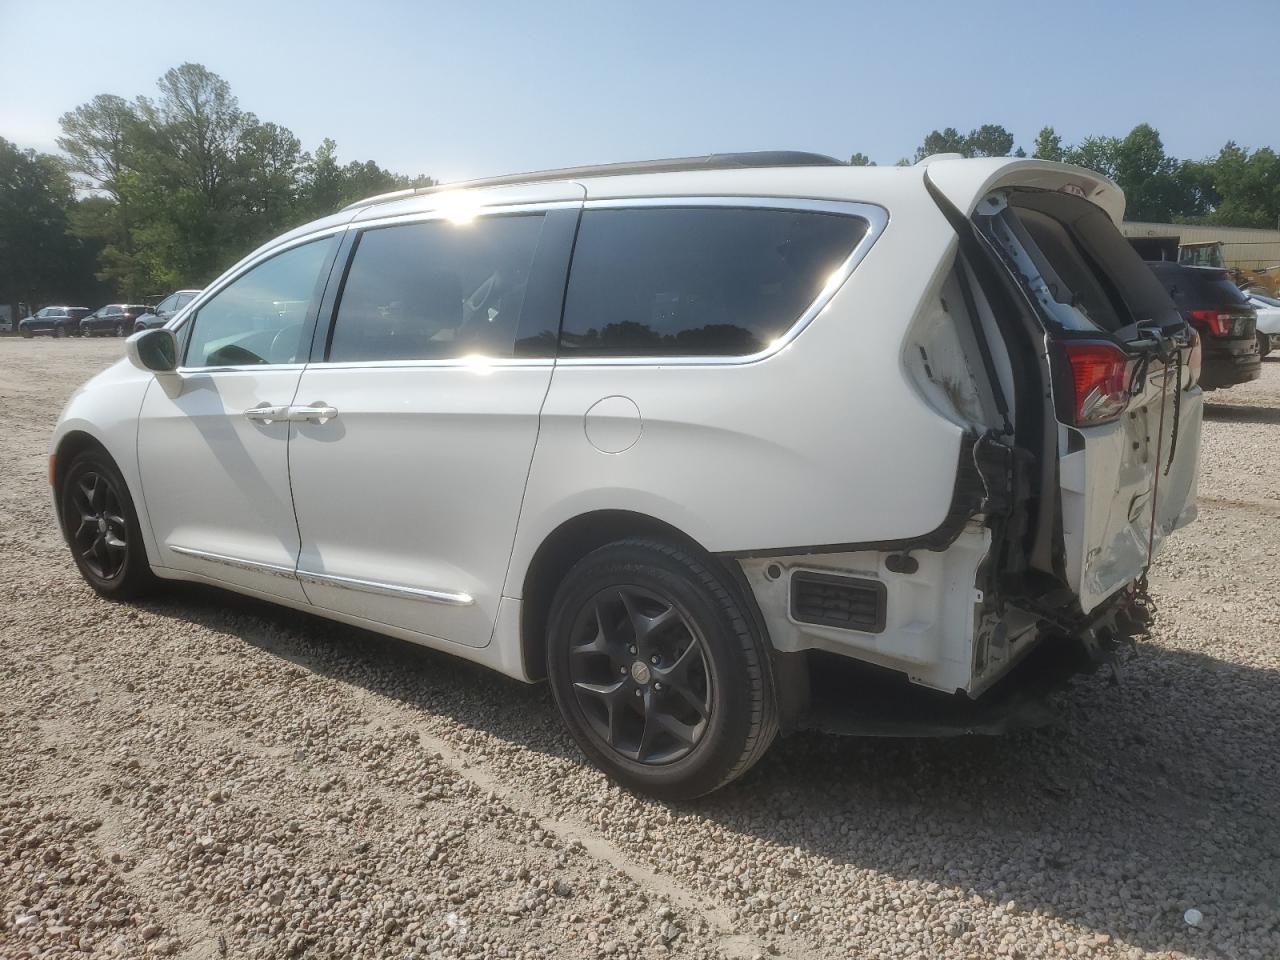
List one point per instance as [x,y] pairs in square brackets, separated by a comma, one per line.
[1074,378]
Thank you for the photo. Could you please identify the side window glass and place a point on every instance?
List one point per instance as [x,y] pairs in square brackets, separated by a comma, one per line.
[263,316]
[436,290]
[697,281]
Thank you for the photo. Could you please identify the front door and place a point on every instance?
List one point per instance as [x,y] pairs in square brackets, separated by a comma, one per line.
[213,440]
[408,478]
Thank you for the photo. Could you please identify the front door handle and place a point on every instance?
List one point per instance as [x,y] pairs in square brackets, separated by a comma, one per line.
[266,413]
[318,412]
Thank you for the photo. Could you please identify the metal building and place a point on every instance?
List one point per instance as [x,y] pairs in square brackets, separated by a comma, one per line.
[1243,248]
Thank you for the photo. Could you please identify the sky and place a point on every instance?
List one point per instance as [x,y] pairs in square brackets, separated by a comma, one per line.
[459,90]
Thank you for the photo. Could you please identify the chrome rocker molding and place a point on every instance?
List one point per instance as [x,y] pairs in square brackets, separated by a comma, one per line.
[387,589]
[453,598]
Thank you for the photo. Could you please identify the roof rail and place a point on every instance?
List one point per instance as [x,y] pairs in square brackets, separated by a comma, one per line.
[712,161]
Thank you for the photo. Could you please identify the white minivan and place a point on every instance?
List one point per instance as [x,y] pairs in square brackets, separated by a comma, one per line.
[676,436]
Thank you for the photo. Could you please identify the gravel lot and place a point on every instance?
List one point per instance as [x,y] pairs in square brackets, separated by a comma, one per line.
[205,776]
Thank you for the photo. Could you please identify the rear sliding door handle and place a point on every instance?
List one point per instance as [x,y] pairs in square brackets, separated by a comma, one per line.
[319,412]
[266,413]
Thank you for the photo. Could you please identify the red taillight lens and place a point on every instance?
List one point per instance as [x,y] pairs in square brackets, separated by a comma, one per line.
[1215,321]
[1100,374]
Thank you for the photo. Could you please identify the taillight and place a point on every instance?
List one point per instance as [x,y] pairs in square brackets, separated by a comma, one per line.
[1215,321]
[1194,361]
[1099,386]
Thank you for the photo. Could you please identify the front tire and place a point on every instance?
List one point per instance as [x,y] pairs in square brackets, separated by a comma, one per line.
[119,331]
[102,529]
[26,333]
[659,673]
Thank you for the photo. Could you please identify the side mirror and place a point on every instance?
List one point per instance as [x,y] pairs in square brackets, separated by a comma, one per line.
[154,350]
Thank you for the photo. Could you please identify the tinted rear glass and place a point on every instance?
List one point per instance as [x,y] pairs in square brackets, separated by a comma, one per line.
[697,281]
[1196,288]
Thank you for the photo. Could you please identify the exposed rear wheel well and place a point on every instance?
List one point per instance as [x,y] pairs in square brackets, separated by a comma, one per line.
[564,547]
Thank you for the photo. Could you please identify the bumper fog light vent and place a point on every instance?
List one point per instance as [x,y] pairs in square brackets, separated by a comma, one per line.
[849,603]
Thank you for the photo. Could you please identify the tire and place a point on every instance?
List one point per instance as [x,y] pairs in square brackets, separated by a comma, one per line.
[714,716]
[59,331]
[119,331]
[26,333]
[1264,345]
[96,510]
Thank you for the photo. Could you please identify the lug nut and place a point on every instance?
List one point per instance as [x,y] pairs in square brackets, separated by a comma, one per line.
[631,650]
[654,659]
[657,685]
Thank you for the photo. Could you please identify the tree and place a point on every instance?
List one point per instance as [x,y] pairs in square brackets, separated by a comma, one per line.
[95,136]
[39,259]
[989,140]
[1048,145]
[1248,185]
[1095,153]
[861,160]
[949,140]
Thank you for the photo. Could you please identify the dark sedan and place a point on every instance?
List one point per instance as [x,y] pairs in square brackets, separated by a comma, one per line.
[165,310]
[113,320]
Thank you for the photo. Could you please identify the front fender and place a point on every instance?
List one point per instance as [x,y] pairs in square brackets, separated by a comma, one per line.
[104,411]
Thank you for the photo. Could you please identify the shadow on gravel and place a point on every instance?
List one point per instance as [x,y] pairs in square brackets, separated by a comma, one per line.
[1239,413]
[1152,797]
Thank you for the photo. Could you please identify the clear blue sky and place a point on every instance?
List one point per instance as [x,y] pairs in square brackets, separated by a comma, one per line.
[455,90]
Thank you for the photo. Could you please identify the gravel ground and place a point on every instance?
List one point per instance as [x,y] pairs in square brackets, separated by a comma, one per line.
[205,776]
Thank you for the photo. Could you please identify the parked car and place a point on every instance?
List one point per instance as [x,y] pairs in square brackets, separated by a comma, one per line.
[165,310]
[1222,315]
[1268,310]
[675,436]
[113,320]
[55,321]
[10,315]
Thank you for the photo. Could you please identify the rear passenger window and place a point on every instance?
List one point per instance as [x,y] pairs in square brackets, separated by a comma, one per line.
[436,290]
[697,281]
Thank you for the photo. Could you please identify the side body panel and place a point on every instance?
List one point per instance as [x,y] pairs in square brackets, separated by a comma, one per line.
[217,483]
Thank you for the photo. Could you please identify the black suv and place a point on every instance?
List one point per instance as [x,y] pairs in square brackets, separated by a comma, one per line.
[115,319]
[1210,302]
[57,321]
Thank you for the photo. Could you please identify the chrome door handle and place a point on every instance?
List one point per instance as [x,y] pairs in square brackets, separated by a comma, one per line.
[319,412]
[266,413]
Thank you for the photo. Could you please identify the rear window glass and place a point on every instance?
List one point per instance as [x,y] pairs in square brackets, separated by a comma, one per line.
[1200,287]
[697,281]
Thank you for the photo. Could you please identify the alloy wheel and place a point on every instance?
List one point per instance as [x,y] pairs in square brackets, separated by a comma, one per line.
[641,675]
[99,534]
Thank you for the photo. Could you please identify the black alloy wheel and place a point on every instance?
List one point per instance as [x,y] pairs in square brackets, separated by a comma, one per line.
[661,676]
[640,674]
[99,532]
[101,527]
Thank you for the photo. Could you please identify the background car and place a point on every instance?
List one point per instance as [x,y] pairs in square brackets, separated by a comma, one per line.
[164,310]
[55,321]
[1226,321]
[1268,309]
[115,319]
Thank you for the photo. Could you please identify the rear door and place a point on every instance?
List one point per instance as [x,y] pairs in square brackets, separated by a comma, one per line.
[426,389]
[1127,412]
[1128,433]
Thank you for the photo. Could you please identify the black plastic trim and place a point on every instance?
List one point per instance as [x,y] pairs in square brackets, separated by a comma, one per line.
[878,592]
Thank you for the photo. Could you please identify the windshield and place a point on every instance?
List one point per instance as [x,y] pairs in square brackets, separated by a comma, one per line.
[1265,301]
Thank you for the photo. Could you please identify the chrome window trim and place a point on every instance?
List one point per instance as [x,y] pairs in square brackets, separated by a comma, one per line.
[253,566]
[467,214]
[450,597]
[877,218]
[478,364]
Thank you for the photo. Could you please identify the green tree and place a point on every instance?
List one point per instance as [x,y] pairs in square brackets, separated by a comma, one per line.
[1248,186]
[861,160]
[989,140]
[1048,145]
[40,260]
[949,140]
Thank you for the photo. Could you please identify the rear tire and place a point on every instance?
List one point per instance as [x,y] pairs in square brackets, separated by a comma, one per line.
[59,331]
[1264,345]
[101,528]
[119,331]
[26,333]
[660,675]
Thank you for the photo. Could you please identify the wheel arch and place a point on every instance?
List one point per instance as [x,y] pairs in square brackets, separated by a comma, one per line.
[70,445]
[560,550]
